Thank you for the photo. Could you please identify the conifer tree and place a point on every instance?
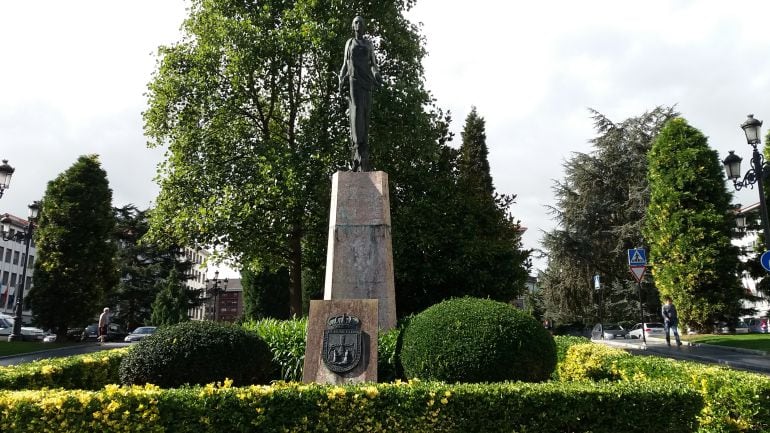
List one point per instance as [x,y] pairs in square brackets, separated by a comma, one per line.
[172,302]
[75,264]
[689,227]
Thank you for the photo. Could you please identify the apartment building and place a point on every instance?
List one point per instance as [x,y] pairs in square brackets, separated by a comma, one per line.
[12,261]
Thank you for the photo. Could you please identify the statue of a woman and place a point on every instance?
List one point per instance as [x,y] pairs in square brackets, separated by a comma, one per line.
[359,75]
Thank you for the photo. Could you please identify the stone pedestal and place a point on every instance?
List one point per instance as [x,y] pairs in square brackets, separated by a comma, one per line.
[341,342]
[359,258]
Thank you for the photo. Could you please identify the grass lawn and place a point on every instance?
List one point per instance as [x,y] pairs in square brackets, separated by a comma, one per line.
[744,341]
[19,347]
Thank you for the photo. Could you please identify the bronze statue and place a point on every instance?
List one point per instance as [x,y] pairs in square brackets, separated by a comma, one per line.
[359,75]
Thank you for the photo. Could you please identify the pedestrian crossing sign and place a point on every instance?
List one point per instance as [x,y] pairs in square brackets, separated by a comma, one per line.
[637,257]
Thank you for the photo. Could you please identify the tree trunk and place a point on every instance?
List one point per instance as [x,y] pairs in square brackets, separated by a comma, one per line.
[295,271]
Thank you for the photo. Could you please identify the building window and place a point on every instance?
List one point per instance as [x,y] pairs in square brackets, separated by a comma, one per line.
[8,255]
[29,283]
[31,261]
[13,280]
[15,257]
[5,277]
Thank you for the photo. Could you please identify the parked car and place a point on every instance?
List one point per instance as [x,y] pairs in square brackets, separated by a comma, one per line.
[723,328]
[608,331]
[49,338]
[114,332]
[139,333]
[28,333]
[650,330]
[757,324]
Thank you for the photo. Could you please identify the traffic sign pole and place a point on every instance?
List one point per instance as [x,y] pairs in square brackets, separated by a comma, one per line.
[637,262]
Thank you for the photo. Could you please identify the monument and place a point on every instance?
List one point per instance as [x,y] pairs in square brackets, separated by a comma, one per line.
[359,288]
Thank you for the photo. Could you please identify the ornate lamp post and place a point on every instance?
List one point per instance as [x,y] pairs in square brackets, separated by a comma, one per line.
[760,170]
[215,290]
[6,171]
[26,236]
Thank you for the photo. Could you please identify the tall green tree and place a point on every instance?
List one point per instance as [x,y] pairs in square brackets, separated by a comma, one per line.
[600,210]
[263,294]
[172,302]
[145,268]
[492,262]
[689,226]
[75,264]
[248,106]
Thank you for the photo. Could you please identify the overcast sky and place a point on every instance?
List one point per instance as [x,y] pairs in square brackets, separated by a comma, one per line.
[74,73]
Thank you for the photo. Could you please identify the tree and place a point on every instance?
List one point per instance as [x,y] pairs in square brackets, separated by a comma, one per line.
[689,227]
[247,104]
[600,208]
[145,268]
[75,263]
[172,302]
[491,262]
[262,294]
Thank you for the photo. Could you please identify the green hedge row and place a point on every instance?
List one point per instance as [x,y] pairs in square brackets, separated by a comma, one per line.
[397,407]
[91,371]
[734,401]
[286,339]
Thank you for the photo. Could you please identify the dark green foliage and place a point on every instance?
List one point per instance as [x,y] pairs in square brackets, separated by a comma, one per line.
[600,209]
[198,353]
[74,267]
[264,294]
[476,340]
[172,302]
[689,227]
[145,269]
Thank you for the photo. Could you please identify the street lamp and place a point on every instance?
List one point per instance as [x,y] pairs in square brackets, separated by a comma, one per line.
[6,171]
[759,171]
[215,290]
[34,212]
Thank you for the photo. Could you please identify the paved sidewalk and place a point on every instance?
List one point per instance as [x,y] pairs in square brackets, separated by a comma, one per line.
[741,359]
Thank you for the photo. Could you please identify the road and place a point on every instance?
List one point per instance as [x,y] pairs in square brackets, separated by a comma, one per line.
[740,359]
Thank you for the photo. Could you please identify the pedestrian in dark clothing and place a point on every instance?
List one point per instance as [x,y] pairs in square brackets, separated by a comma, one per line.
[670,321]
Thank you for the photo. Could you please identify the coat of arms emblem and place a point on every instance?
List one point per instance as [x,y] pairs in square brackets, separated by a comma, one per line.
[342,343]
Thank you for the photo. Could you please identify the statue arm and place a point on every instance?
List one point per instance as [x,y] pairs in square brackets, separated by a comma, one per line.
[373,63]
[344,73]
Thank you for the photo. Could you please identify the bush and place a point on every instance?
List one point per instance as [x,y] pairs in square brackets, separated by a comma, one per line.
[392,408]
[88,371]
[198,353]
[286,340]
[734,401]
[477,340]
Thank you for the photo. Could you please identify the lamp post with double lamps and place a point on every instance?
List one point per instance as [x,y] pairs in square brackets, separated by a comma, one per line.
[26,236]
[760,170]
[215,290]
[6,171]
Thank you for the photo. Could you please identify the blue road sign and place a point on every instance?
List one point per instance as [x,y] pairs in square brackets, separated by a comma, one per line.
[765,260]
[637,257]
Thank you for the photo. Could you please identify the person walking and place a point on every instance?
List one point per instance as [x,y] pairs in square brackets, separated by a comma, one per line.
[670,320]
[104,324]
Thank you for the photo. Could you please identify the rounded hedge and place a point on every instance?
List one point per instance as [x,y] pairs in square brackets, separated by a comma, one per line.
[198,352]
[477,340]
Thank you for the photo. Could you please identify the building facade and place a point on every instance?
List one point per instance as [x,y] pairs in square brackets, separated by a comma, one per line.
[12,262]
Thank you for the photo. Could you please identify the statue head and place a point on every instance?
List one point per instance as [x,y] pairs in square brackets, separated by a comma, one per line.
[359,25]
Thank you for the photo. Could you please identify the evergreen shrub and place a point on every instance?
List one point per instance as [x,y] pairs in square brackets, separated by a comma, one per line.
[477,340]
[198,353]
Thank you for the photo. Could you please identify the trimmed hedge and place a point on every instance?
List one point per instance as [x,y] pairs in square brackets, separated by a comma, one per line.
[399,407]
[198,353]
[734,401]
[91,371]
[477,340]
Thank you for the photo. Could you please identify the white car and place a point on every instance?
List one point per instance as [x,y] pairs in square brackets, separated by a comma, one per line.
[139,333]
[651,329]
[28,333]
